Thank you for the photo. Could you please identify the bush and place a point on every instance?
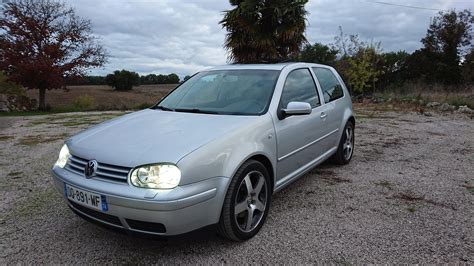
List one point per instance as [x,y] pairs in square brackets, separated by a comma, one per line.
[123,80]
[7,87]
[84,102]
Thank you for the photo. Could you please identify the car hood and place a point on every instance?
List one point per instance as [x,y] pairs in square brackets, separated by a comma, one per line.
[152,136]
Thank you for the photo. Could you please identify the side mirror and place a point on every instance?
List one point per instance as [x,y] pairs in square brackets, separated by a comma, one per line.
[297,108]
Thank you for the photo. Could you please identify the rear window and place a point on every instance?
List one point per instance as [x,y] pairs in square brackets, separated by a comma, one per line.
[332,89]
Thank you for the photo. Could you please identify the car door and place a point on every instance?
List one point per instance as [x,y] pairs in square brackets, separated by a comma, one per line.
[333,93]
[298,137]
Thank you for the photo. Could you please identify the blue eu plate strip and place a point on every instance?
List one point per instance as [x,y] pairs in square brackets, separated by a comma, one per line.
[105,207]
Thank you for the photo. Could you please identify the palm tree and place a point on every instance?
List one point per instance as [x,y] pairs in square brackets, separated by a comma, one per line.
[264,30]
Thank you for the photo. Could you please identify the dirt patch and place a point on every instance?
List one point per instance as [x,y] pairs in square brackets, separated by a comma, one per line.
[410,197]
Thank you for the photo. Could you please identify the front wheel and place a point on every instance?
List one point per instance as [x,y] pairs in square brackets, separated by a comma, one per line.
[346,145]
[246,203]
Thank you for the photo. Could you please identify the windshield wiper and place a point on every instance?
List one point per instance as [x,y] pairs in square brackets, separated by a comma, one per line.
[163,108]
[195,110]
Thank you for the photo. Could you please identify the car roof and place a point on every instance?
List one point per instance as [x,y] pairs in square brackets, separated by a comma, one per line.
[277,66]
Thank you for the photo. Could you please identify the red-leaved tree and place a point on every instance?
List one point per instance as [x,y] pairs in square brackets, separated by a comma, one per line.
[43,42]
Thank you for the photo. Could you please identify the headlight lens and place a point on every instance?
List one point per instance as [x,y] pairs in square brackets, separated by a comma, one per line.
[163,176]
[64,155]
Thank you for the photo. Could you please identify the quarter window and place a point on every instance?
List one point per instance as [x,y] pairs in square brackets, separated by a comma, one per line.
[330,86]
[300,87]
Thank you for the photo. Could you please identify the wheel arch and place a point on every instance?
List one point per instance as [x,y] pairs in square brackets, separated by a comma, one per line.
[263,159]
[352,119]
[267,163]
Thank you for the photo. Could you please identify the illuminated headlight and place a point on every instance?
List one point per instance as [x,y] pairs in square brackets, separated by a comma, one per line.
[162,176]
[64,155]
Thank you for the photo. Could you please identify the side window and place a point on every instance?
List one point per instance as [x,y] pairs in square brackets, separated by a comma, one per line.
[300,87]
[330,86]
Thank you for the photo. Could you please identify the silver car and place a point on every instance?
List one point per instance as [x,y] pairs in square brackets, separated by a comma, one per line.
[213,151]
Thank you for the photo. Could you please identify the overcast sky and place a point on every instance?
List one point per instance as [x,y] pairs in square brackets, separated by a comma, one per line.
[183,36]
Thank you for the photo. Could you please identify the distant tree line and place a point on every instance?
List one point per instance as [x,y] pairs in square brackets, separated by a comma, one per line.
[125,80]
[446,57]
[159,79]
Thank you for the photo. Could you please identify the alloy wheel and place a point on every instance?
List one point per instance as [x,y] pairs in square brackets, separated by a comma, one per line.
[348,145]
[250,201]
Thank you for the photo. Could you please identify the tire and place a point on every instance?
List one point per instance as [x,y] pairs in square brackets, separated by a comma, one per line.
[345,149]
[238,199]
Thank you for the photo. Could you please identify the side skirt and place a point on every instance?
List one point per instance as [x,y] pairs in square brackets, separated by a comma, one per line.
[280,184]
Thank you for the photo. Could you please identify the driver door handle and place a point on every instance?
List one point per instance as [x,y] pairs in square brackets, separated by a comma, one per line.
[323,115]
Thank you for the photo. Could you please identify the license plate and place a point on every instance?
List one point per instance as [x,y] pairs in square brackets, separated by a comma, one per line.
[86,198]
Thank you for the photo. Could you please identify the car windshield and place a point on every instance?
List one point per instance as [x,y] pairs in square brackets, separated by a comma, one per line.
[232,92]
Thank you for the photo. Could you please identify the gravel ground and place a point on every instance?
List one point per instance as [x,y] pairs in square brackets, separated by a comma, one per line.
[406,197]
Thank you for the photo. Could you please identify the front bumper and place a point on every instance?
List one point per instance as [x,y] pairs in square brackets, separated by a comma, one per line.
[165,212]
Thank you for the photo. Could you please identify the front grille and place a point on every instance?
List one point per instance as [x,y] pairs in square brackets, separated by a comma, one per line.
[96,214]
[104,171]
[146,226]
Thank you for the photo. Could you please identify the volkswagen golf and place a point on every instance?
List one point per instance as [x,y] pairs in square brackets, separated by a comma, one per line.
[212,152]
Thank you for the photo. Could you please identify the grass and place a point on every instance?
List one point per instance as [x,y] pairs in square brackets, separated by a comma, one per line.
[102,98]
[96,98]
[15,174]
[333,180]
[409,196]
[5,137]
[469,187]
[418,95]
[74,120]
[26,113]
[385,184]
[459,101]
[29,207]
[38,139]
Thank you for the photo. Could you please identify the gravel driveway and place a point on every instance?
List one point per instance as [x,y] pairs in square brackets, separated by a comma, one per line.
[406,197]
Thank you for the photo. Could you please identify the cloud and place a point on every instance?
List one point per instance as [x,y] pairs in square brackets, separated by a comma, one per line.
[164,36]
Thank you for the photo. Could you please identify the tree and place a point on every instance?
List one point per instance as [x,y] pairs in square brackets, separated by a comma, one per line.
[467,68]
[264,31]
[43,42]
[186,77]
[359,63]
[447,41]
[393,66]
[363,72]
[123,80]
[173,79]
[347,45]
[318,53]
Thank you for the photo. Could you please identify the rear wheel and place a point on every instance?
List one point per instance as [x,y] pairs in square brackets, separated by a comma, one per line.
[346,145]
[246,203]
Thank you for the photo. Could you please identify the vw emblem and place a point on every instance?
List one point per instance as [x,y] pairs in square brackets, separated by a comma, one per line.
[90,169]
